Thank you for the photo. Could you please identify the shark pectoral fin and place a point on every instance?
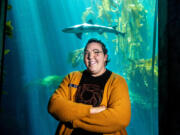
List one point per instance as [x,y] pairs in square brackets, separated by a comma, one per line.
[79,35]
[100,32]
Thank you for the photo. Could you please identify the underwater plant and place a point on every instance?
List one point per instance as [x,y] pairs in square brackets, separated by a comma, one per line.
[6,51]
[51,82]
[87,14]
[9,29]
[128,17]
[76,57]
[8,26]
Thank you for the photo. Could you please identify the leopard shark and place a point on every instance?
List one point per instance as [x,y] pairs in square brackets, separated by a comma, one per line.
[79,29]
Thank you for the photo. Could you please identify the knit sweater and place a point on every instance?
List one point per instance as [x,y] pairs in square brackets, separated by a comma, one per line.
[111,121]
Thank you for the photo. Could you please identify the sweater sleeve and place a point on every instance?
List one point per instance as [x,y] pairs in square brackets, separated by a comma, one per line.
[115,117]
[60,106]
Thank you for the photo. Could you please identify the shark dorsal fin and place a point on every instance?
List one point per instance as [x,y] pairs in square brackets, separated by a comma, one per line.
[90,21]
[79,35]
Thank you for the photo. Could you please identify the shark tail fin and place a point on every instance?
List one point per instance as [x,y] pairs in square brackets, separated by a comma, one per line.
[121,33]
[118,32]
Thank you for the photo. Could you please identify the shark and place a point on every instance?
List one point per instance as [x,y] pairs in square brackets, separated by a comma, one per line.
[79,29]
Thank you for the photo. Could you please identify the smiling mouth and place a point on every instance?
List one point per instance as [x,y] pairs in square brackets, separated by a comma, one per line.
[92,63]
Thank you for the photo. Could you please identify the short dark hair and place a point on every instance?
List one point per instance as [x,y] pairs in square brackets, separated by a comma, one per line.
[105,51]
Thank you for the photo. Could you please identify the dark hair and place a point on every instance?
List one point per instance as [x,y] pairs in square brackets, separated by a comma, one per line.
[94,40]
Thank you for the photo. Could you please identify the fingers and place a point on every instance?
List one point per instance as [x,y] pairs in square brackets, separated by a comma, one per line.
[98,109]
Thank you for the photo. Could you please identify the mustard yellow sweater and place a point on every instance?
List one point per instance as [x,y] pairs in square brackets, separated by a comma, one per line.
[111,121]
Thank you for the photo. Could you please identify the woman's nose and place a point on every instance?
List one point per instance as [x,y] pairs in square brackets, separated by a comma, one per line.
[91,55]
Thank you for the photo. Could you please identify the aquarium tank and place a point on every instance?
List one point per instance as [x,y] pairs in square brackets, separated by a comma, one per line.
[40,51]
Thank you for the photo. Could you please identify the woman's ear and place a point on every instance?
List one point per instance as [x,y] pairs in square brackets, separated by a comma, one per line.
[105,58]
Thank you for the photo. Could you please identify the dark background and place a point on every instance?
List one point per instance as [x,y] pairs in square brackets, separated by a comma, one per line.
[169,67]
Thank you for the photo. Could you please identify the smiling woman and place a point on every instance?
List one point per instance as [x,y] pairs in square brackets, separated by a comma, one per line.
[94,58]
[93,102]
[93,99]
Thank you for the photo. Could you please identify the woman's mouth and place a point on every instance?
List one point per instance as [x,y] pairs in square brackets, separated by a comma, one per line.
[92,63]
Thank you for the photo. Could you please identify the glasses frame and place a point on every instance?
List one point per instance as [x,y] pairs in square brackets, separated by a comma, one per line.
[95,52]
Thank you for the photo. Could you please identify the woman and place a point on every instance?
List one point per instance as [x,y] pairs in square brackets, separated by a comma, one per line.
[94,101]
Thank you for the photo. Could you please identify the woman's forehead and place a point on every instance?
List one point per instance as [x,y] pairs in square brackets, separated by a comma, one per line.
[94,45]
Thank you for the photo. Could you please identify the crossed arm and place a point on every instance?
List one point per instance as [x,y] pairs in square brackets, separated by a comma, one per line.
[95,119]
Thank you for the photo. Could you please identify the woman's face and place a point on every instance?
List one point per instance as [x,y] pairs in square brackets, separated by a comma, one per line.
[95,59]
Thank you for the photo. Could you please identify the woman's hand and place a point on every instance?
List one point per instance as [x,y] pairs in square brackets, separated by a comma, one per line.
[98,109]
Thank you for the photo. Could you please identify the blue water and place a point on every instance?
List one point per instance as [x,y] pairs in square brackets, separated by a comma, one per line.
[39,49]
